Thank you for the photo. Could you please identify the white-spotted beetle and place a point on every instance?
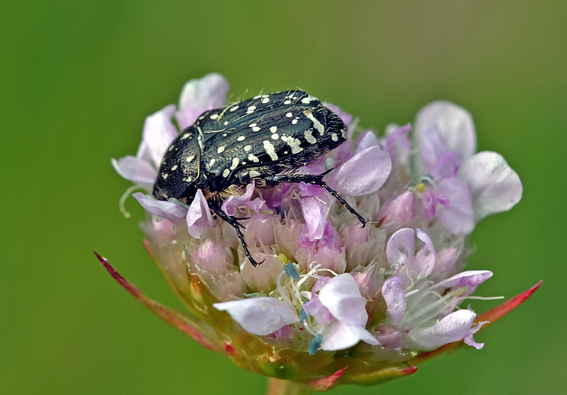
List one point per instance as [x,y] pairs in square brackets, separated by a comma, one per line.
[265,139]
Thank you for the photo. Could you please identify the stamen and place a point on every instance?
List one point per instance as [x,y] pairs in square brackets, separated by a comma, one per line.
[315,344]
[123,198]
[291,271]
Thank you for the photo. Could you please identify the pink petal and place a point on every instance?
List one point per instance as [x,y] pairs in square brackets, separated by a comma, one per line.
[458,217]
[199,216]
[230,205]
[158,134]
[454,123]
[450,329]
[368,140]
[495,187]
[342,297]
[200,95]
[394,298]
[398,211]
[470,279]
[315,213]
[168,210]
[401,248]
[343,335]
[135,170]
[397,143]
[469,339]
[316,309]
[425,257]
[364,173]
[260,316]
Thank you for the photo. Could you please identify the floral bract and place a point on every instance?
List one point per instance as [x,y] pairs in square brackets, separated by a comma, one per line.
[329,293]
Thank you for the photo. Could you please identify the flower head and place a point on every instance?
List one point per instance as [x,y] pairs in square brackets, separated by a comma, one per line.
[330,293]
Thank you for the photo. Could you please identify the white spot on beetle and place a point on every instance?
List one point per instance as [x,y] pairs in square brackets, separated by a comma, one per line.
[275,136]
[308,99]
[255,129]
[225,173]
[334,137]
[188,179]
[289,115]
[254,173]
[164,175]
[270,150]
[241,138]
[265,100]
[174,168]
[212,162]
[343,133]
[214,116]
[250,109]
[220,150]
[294,144]
[309,137]
[171,148]
[287,102]
[252,125]
[286,152]
[243,163]
[320,128]
[232,109]
[190,158]
[273,129]
[186,135]
[247,148]
[235,162]
[224,134]
[225,123]
[253,158]
[294,122]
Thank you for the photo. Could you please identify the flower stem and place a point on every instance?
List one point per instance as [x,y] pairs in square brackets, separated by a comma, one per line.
[286,387]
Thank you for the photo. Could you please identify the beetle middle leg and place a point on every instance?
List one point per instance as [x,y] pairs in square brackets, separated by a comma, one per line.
[233,221]
[316,180]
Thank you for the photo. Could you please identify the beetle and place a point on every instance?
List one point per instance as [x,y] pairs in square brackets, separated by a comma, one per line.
[265,139]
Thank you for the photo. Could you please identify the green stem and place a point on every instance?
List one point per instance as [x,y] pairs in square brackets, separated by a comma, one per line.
[286,387]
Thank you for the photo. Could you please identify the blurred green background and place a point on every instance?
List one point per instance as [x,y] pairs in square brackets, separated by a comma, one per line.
[78,79]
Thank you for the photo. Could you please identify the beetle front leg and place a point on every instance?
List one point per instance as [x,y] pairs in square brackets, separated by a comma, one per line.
[316,180]
[233,221]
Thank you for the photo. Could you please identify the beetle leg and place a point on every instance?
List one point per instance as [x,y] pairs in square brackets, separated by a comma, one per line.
[233,221]
[316,180]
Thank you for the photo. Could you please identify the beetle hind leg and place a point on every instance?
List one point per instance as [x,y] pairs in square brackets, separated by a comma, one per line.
[233,221]
[315,180]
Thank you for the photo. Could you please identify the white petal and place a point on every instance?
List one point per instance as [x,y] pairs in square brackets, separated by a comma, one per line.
[453,122]
[495,187]
[171,211]
[343,336]
[135,170]
[458,217]
[394,298]
[401,248]
[260,316]
[158,134]
[450,329]
[199,216]
[342,297]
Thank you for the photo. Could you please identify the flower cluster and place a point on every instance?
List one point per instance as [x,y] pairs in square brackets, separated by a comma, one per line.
[328,288]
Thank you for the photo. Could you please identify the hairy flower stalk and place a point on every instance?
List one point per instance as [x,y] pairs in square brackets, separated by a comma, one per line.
[332,302]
